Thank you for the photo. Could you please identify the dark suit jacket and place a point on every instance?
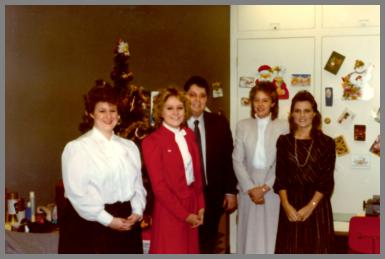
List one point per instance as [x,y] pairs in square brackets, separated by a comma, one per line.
[219,147]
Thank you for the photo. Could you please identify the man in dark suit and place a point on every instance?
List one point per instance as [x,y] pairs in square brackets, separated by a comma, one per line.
[216,144]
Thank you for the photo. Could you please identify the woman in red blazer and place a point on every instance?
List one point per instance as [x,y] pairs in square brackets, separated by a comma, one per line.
[172,159]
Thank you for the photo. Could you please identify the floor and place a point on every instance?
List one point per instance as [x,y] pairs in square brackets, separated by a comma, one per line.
[223,242]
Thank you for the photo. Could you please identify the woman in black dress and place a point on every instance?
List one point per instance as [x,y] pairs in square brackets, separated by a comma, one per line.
[304,181]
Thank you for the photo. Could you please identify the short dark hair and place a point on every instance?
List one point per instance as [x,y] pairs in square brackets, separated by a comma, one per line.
[269,89]
[100,92]
[302,96]
[199,81]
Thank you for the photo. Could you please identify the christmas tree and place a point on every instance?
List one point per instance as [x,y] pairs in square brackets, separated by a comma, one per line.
[134,101]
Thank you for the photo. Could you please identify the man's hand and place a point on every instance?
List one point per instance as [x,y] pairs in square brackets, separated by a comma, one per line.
[230,203]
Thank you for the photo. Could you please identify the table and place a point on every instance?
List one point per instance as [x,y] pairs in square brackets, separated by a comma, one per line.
[341,223]
[341,230]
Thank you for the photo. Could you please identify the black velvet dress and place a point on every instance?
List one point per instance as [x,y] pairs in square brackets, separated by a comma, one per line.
[316,234]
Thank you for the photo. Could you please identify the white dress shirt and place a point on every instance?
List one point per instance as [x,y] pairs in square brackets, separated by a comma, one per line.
[259,161]
[97,171]
[186,156]
[201,126]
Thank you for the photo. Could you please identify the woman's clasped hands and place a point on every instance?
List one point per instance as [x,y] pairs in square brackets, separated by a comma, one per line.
[257,193]
[195,220]
[124,224]
[301,215]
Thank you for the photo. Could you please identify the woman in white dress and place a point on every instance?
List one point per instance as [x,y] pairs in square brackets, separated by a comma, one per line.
[254,158]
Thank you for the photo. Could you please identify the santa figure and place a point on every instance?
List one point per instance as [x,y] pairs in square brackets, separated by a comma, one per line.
[265,73]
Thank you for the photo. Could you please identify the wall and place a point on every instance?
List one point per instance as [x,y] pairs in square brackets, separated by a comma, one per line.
[54,54]
[301,38]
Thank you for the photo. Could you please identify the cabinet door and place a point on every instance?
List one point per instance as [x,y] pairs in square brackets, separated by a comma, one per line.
[275,17]
[338,16]
[295,55]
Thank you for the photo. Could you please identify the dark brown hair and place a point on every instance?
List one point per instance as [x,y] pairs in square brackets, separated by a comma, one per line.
[198,81]
[161,99]
[269,89]
[303,96]
[100,92]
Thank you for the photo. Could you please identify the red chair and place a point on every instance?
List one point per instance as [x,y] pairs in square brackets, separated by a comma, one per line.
[364,235]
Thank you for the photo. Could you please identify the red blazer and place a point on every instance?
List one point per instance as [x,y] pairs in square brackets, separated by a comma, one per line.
[165,167]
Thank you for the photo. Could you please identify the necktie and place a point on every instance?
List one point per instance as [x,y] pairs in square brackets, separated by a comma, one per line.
[199,142]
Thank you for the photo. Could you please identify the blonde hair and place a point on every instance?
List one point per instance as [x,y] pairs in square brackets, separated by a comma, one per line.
[161,99]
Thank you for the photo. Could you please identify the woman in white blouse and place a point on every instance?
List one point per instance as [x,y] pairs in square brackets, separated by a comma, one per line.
[102,182]
[254,158]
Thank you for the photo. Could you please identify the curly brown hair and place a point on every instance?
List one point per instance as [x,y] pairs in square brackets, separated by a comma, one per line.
[161,99]
[100,92]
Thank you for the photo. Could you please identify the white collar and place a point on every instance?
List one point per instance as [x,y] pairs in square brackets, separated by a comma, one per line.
[100,136]
[263,121]
[200,119]
[176,131]
[192,119]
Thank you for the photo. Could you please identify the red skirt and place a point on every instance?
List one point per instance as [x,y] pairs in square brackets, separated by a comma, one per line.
[171,235]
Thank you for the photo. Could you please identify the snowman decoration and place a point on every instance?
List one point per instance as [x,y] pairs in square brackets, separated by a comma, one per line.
[355,84]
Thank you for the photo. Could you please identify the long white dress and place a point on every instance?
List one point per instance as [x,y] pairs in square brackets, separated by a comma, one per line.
[257,224]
